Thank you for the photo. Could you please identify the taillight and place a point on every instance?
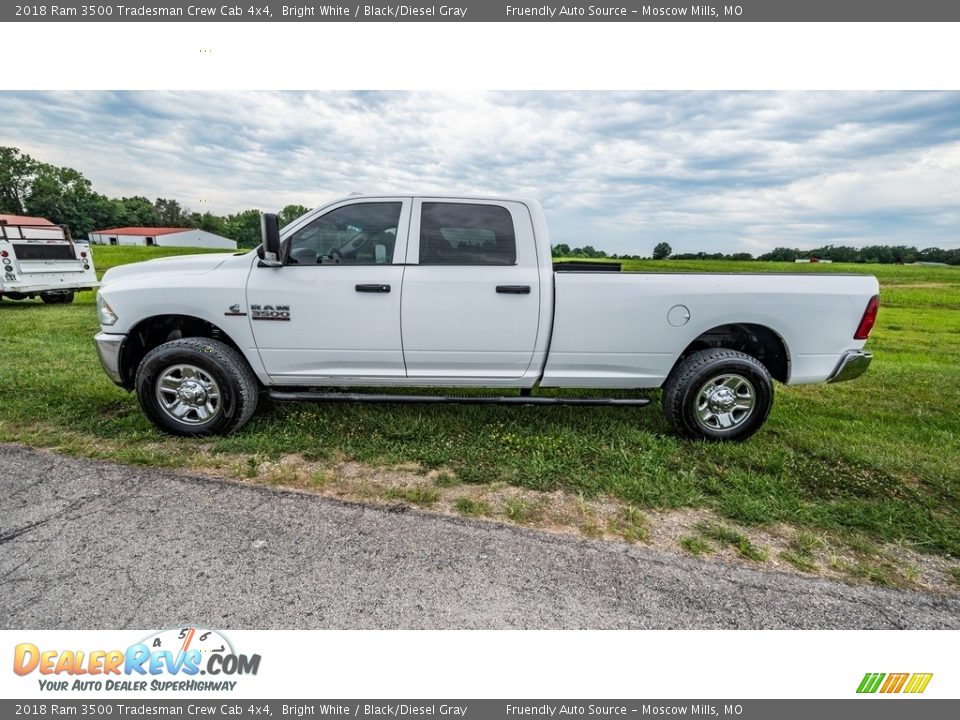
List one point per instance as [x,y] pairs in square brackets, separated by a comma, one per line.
[4,253]
[868,319]
[83,254]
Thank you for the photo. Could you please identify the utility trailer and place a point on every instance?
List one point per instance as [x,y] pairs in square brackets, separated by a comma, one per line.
[40,259]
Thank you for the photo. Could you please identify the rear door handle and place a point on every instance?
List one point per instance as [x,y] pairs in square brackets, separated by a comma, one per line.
[373,288]
[513,289]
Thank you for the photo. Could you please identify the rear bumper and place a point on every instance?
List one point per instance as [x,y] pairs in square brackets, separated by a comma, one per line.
[108,348]
[35,288]
[852,365]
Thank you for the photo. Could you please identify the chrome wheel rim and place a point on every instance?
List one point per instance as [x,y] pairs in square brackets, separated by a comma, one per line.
[188,394]
[725,402]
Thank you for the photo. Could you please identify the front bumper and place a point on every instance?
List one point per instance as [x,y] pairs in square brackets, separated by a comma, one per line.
[108,348]
[852,365]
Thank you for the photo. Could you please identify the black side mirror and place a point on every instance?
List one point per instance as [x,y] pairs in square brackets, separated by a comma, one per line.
[270,239]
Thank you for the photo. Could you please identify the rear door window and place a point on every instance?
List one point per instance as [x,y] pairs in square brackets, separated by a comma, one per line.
[466,234]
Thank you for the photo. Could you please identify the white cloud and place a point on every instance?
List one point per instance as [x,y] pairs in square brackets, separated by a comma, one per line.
[621,171]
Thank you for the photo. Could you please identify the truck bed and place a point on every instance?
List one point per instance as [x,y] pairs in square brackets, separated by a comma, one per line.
[617,329]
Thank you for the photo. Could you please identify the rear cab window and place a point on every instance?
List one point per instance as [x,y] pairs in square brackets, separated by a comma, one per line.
[454,233]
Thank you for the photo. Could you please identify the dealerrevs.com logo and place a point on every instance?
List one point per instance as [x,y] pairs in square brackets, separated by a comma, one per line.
[168,660]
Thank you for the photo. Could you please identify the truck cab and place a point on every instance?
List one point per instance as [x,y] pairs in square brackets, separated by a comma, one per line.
[39,259]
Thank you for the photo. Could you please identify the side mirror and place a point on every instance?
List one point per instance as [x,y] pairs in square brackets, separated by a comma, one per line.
[270,239]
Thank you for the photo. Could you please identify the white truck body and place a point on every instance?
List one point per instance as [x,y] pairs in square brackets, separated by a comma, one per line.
[407,310]
[40,259]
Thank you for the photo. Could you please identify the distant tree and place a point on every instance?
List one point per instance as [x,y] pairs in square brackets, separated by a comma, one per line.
[17,172]
[170,213]
[291,213]
[780,254]
[561,250]
[244,227]
[662,251]
[137,211]
[63,195]
[209,222]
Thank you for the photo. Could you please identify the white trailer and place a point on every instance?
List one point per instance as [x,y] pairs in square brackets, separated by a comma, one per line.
[39,259]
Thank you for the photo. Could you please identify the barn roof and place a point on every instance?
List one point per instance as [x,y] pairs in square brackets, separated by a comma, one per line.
[144,230]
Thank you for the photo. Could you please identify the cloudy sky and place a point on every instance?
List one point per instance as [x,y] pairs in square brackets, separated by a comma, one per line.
[728,171]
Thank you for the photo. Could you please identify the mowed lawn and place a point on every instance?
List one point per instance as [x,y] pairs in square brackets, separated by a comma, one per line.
[876,460]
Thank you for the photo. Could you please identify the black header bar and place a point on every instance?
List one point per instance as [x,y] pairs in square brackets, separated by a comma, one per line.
[485,11]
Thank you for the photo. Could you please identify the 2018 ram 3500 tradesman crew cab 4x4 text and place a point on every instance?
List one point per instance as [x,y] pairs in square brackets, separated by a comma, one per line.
[413,292]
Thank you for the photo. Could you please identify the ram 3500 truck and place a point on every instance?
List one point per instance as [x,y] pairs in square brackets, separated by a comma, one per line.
[415,292]
[39,259]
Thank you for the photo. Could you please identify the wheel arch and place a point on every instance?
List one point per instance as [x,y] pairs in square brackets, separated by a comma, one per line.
[757,340]
[158,329]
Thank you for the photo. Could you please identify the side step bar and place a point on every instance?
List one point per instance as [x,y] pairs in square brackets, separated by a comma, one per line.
[349,397]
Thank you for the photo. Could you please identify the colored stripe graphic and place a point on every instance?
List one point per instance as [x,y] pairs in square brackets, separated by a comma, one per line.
[870,682]
[918,683]
[894,683]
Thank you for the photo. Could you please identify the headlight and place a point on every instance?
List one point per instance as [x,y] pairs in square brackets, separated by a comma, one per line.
[105,312]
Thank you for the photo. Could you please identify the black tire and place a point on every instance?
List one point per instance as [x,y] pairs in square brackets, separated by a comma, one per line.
[59,298]
[217,369]
[705,395]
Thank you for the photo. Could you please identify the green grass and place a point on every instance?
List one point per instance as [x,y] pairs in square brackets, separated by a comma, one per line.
[725,535]
[424,496]
[471,508]
[695,545]
[631,524]
[108,256]
[878,458]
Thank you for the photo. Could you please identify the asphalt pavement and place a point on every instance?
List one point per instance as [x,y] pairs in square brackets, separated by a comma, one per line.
[87,544]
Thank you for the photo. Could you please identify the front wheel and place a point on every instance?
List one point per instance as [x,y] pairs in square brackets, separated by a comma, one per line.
[718,394]
[196,386]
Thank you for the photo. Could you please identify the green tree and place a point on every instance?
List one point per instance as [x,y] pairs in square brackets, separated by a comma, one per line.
[63,195]
[137,211]
[17,172]
[244,227]
[561,250]
[662,251]
[291,213]
[209,222]
[171,214]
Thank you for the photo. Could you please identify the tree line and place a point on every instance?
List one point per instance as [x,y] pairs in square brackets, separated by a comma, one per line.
[64,196]
[883,254]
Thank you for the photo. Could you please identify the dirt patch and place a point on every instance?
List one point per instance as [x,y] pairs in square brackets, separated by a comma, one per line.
[697,531]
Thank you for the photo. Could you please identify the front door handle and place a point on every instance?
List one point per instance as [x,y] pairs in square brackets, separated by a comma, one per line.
[513,289]
[373,288]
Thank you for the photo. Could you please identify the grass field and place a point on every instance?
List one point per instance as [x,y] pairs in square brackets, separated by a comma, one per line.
[843,477]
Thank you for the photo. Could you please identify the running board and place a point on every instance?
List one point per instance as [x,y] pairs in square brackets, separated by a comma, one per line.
[287,396]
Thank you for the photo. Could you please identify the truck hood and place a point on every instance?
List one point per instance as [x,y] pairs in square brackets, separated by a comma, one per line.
[182,265]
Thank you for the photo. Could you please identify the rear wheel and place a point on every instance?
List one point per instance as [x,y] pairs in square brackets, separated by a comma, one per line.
[196,386]
[718,394]
[57,298]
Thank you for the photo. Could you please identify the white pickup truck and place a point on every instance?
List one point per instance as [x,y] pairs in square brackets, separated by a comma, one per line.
[39,259]
[415,292]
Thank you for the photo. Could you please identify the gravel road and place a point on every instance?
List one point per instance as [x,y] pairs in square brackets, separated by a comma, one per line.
[86,544]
